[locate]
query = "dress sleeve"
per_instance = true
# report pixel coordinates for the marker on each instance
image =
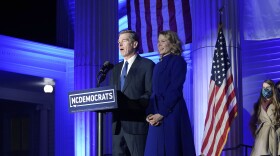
(174, 91)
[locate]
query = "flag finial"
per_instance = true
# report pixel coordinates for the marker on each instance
(221, 12)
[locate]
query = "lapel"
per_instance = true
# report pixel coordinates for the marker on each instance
(164, 63)
(267, 116)
(270, 112)
(118, 74)
(132, 72)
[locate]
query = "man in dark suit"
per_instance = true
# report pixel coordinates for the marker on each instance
(134, 82)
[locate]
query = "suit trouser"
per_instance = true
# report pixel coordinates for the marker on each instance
(125, 144)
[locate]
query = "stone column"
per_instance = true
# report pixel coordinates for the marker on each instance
(96, 35)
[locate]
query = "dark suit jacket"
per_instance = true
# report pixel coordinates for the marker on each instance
(134, 98)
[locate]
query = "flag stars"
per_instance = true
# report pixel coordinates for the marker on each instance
(220, 63)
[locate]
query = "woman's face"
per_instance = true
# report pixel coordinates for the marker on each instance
(266, 86)
(164, 45)
(266, 91)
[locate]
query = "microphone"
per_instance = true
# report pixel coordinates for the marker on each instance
(103, 71)
(105, 68)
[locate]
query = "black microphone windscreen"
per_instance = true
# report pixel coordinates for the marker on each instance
(110, 66)
(104, 69)
(106, 63)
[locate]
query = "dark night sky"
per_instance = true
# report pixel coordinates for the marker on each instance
(33, 20)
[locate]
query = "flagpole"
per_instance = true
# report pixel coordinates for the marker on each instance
(221, 12)
(222, 108)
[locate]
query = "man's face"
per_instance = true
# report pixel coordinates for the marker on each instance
(127, 46)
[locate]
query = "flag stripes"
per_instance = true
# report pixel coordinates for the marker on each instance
(148, 18)
(222, 104)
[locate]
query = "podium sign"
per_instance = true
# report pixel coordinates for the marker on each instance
(97, 99)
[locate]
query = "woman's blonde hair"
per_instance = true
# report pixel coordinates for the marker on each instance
(174, 40)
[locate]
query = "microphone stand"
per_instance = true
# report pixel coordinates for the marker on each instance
(102, 73)
(100, 119)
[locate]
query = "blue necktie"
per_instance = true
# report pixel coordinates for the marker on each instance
(123, 74)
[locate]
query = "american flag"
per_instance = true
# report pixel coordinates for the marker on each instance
(222, 106)
(149, 17)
